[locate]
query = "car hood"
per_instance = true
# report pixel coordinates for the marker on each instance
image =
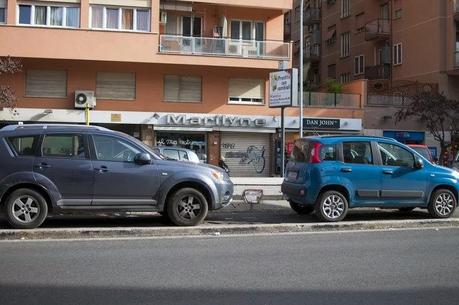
(445, 170)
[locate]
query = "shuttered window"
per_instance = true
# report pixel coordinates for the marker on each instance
(178, 88)
(246, 90)
(115, 86)
(46, 83)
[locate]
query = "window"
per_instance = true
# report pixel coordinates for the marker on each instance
(64, 146)
(398, 55)
(114, 149)
(394, 155)
(55, 16)
(171, 154)
(46, 83)
(247, 30)
(331, 35)
(359, 65)
(360, 22)
(23, 146)
(117, 18)
(384, 11)
(345, 78)
(328, 153)
(178, 88)
(115, 86)
(345, 44)
(357, 153)
(331, 73)
(397, 9)
(345, 8)
(246, 91)
(2, 11)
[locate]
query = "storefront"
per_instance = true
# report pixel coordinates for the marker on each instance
(195, 141)
(406, 137)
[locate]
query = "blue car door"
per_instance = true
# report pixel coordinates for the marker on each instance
(402, 183)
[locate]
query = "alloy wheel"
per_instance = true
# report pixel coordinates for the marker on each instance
(25, 209)
(444, 204)
(189, 207)
(333, 206)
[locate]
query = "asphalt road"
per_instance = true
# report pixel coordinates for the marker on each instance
(394, 267)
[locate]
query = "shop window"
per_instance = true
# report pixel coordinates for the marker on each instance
(118, 18)
(115, 86)
(46, 83)
(192, 141)
(246, 91)
(179, 88)
(52, 15)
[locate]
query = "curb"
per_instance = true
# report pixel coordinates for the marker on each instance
(217, 230)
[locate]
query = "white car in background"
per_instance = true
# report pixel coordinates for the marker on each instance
(177, 153)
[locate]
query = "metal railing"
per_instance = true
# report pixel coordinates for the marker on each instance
(312, 52)
(388, 100)
(224, 47)
(376, 29)
(311, 16)
(332, 100)
(377, 72)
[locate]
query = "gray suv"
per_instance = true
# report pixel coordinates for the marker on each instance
(61, 168)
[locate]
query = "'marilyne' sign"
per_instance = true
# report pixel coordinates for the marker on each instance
(217, 120)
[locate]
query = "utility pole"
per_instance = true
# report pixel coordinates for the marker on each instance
(301, 66)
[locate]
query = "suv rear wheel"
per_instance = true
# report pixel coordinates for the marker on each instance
(301, 209)
(187, 207)
(26, 209)
(332, 206)
(442, 204)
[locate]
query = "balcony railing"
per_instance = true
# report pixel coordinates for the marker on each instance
(377, 29)
(332, 100)
(312, 53)
(224, 47)
(388, 100)
(311, 16)
(377, 72)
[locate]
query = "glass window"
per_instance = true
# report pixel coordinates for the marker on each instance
(246, 30)
(127, 19)
(67, 146)
(171, 154)
(114, 149)
(328, 153)
(183, 156)
(357, 152)
(73, 17)
(394, 155)
(40, 15)
(25, 14)
(143, 20)
(23, 146)
(112, 18)
(235, 29)
(301, 151)
(2, 15)
(56, 16)
(97, 12)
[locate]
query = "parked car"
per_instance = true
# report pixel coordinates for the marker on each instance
(423, 150)
(177, 153)
(60, 168)
(330, 175)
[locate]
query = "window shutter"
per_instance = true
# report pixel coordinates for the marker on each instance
(182, 88)
(115, 86)
(246, 88)
(46, 83)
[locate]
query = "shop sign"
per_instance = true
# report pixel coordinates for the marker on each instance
(321, 123)
(217, 120)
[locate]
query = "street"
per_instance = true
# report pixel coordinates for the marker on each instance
(392, 267)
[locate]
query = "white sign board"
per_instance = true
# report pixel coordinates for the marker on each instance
(283, 88)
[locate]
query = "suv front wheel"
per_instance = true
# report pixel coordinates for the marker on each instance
(442, 204)
(26, 209)
(187, 207)
(332, 206)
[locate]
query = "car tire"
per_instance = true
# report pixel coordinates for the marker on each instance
(406, 209)
(187, 207)
(332, 206)
(442, 204)
(301, 209)
(25, 209)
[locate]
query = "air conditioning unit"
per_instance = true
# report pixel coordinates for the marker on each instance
(163, 17)
(84, 99)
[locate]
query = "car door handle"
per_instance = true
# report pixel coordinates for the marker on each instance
(102, 169)
(42, 165)
(346, 170)
(388, 172)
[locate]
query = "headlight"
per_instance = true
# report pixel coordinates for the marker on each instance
(217, 176)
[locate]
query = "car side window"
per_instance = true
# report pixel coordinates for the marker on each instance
(394, 155)
(357, 153)
(183, 155)
(171, 154)
(114, 149)
(23, 145)
(64, 146)
(328, 153)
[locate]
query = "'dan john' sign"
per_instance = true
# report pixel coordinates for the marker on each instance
(321, 123)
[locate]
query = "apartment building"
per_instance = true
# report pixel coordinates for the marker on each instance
(177, 73)
(397, 46)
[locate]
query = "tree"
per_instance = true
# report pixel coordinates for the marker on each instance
(439, 114)
(8, 65)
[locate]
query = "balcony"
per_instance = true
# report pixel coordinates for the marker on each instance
(378, 29)
(224, 47)
(312, 53)
(332, 100)
(456, 10)
(377, 72)
(311, 16)
(388, 100)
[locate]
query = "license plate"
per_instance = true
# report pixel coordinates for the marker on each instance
(292, 175)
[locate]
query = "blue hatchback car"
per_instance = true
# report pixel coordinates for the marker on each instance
(329, 175)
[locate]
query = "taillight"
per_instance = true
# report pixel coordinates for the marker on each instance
(315, 153)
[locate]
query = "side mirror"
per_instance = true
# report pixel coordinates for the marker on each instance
(142, 159)
(418, 163)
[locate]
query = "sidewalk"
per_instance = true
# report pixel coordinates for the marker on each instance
(271, 186)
